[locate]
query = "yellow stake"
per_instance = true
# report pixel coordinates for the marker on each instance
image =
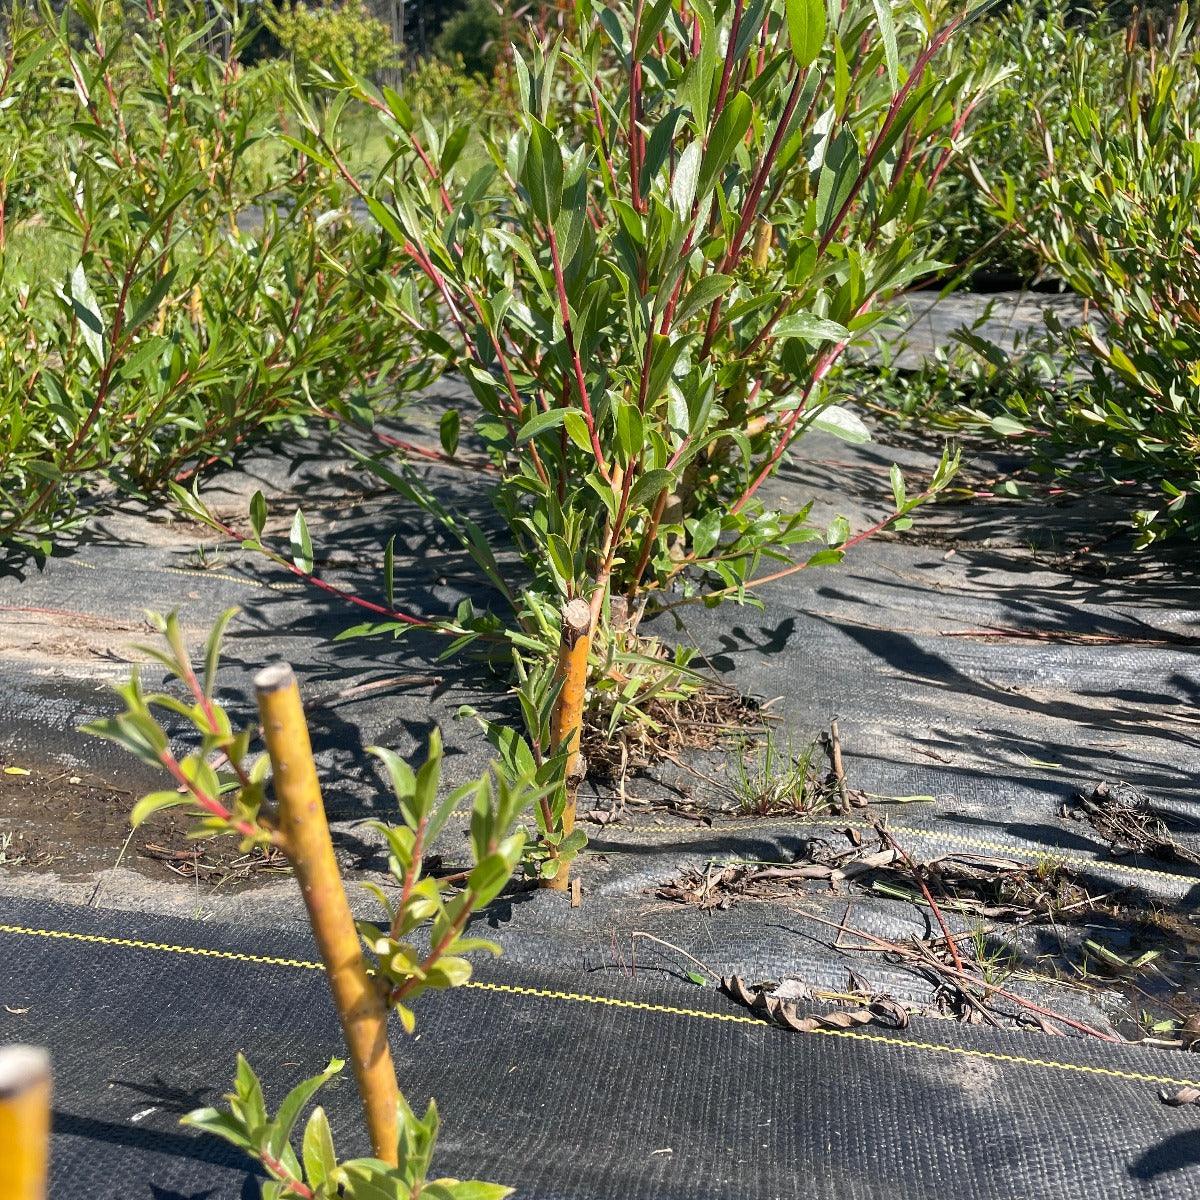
(304, 833)
(566, 721)
(24, 1122)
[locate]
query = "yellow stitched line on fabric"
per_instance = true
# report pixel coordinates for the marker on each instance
(1069, 859)
(258, 584)
(512, 989)
(1005, 848)
(70, 935)
(253, 583)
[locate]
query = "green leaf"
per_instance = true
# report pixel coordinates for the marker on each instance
(630, 431)
(842, 423)
(453, 148)
(838, 175)
(705, 533)
(212, 649)
(887, 31)
(156, 802)
(649, 485)
(806, 29)
(289, 1111)
(86, 308)
(826, 558)
(539, 423)
(152, 300)
(726, 136)
(651, 25)
(701, 296)
(258, 513)
(475, 1189)
(811, 328)
(385, 217)
(448, 428)
(1008, 427)
(542, 172)
(577, 430)
(687, 174)
(488, 878)
(301, 543)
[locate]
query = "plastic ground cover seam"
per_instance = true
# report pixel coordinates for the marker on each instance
(633, 1088)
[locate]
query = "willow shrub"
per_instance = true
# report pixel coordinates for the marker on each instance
(1117, 217)
(695, 210)
(168, 285)
(1027, 48)
(417, 941)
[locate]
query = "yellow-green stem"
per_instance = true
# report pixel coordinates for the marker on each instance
(566, 721)
(304, 833)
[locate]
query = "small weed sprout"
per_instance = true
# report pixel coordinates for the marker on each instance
(995, 961)
(779, 780)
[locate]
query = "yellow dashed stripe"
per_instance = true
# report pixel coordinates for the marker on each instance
(100, 939)
(257, 584)
(1070, 859)
(1006, 849)
(511, 989)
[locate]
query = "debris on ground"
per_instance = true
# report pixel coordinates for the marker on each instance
(975, 884)
(720, 886)
(966, 978)
(876, 1010)
(704, 720)
(1125, 817)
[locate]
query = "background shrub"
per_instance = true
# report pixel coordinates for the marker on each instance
(171, 293)
(473, 38)
(1028, 47)
(1115, 213)
(322, 34)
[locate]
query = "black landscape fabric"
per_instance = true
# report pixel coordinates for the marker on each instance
(625, 1090)
(984, 668)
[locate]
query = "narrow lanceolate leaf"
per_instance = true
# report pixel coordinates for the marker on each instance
(701, 296)
(539, 423)
(727, 134)
(258, 513)
(887, 31)
(543, 173)
(389, 571)
(838, 175)
(155, 802)
(302, 551)
(842, 423)
(806, 29)
(320, 1159)
(87, 310)
(448, 430)
(212, 649)
(683, 185)
(811, 328)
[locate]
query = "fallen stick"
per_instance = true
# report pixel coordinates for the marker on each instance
(839, 770)
(887, 947)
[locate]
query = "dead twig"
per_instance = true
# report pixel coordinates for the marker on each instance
(839, 770)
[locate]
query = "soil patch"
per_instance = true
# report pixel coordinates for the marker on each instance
(74, 827)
